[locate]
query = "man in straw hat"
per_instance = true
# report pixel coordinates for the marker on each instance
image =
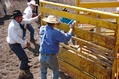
(36, 7)
(49, 46)
(27, 15)
(15, 42)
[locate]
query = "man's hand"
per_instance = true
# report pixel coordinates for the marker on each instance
(25, 26)
(33, 15)
(72, 26)
(39, 15)
(28, 44)
(58, 22)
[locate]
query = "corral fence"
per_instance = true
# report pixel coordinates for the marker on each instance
(97, 55)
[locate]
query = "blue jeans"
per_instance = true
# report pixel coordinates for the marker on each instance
(48, 62)
(20, 53)
(5, 12)
(73, 41)
(31, 30)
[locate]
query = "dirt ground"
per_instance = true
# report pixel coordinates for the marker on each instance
(9, 63)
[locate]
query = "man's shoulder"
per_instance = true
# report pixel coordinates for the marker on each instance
(56, 31)
(27, 9)
(12, 23)
(42, 27)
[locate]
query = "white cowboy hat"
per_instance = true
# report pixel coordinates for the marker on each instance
(32, 3)
(50, 19)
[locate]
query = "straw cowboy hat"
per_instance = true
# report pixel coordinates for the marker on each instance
(32, 2)
(50, 19)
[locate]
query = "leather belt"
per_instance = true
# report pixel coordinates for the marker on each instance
(47, 54)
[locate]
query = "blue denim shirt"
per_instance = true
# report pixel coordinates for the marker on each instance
(66, 20)
(50, 38)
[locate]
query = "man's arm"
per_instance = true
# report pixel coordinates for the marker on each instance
(28, 21)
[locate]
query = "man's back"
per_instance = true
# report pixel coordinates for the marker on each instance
(50, 38)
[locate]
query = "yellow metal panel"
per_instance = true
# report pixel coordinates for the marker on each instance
(95, 22)
(82, 18)
(102, 40)
(72, 71)
(116, 54)
(96, 15)
(92, 45)
(80, 9)
(99, 4)
(105, 41)
(84, 64)
(77, 11)
(92, 18)
(41, 22)
(92, 54)
(62, 26)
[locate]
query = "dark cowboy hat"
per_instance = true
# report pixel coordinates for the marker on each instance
(16, 13)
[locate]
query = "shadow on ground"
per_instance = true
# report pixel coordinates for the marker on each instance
(7, 17)
(35, 50)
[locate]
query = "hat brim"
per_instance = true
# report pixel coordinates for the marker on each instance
(12, 16)
(32, 4)
(45, 19)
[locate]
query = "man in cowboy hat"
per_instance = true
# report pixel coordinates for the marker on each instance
(15, 41)
(49, 46)
(27, 15)
(36, 7)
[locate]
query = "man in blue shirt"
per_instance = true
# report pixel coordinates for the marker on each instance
(49, 46)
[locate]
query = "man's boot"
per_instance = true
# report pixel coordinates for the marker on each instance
(28, 73)
(21, 74)
(24, 74)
